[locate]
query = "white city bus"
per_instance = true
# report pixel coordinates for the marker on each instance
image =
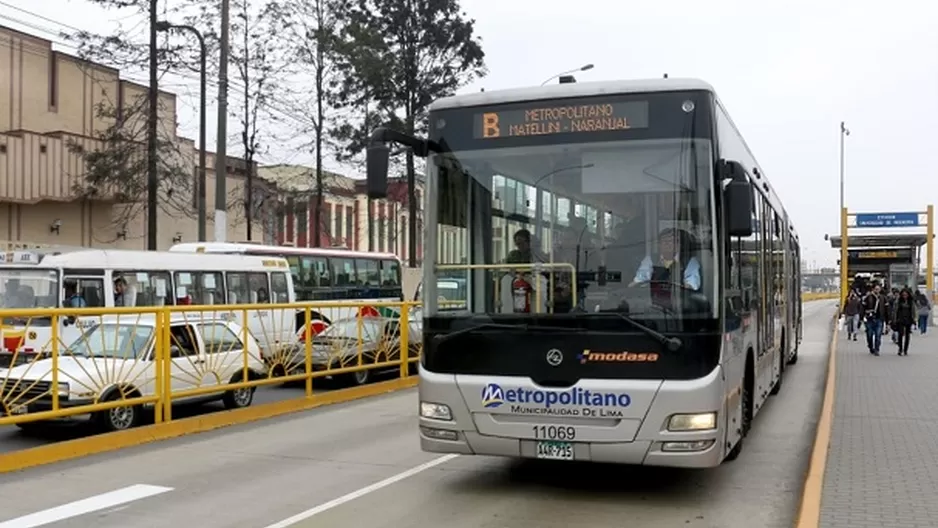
(334, 275)
(646, 314)
(149, 278)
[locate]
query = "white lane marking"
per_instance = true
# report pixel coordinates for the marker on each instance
(84, 506)
(359, 493)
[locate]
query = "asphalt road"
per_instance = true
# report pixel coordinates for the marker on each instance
(12, 438)
(359, 464)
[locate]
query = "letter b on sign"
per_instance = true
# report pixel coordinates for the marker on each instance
(490, 125)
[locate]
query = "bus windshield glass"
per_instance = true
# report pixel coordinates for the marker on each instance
(575, 209)
(29, 288)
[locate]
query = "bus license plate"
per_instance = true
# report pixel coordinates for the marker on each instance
(555, 450)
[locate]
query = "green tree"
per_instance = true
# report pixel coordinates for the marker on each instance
(399, 57)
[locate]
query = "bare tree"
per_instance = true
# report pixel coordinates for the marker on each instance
(116, 169)
(310, 28)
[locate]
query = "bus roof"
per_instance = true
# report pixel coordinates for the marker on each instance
(246, 248)
(569, 90)
(160, 260)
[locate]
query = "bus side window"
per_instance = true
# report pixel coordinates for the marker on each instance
(321, 269)
(259, 288)
(148, 288)
(390, 273)
(367, 272)
(279, 287)
(91, 290)
(343, 272)
(201, 287)
(238, 290)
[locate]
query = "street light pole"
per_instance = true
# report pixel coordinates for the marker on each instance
(200, 184)
(844, 132)
(221, 147)
(581, 68)
(843, 220)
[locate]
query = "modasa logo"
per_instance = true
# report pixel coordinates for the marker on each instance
(523, 400)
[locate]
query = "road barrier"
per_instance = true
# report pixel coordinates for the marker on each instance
(116, 363)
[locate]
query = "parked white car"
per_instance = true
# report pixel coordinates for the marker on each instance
(114, 359)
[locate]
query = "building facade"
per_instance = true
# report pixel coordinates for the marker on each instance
(55, 109)
(344, 219)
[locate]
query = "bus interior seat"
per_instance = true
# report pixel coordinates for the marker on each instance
(232, 297)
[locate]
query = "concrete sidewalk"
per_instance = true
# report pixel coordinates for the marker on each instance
(882, 463)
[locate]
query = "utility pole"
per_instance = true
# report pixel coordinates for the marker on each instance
(152, 115)
(221, 154)
(248, 140)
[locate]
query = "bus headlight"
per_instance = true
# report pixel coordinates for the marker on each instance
(63, 389)
(693, 422)
(435, 411)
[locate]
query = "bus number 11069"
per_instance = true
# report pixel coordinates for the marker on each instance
(554, 432)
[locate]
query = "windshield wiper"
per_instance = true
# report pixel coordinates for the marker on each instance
(674, 344)
(440, 338)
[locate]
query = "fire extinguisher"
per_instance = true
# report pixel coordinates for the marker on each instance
(521, 294)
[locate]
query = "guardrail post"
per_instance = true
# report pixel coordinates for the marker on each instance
(405, 340)
(245, 336)
(308, 350)
(166, 399)
(158, 361)
(55, 360)
(359, 344)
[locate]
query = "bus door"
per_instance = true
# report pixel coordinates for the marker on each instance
(90, 292)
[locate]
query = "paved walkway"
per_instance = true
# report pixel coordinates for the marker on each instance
(882, 464)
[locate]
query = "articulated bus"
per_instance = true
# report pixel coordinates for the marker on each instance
(107, 278)
(333, 275)
(631, 275)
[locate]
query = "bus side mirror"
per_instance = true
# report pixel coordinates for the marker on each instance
(376, 157)
(737, 196)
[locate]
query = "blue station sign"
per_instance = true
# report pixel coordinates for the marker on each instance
(887, 220)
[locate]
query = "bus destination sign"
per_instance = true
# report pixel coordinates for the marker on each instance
(542, 119)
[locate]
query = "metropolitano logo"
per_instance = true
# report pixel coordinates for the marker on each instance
(492, 396)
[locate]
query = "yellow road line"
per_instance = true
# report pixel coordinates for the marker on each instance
(71, 449)
(809, 513)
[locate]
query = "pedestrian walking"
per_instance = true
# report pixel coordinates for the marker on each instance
(903, 319)
(875, 316)
(924, 311)
(851, 312)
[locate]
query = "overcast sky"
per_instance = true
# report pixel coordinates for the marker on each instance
(787, 74)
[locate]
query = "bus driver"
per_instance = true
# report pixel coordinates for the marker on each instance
(670, 265)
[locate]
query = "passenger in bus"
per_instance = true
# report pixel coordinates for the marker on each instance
(523, 253)
(73, 299)
(262, 296)
(123, 294)
(670, 266)
(11, 294)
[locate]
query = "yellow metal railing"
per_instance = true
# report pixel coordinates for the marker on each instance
(56, 363)
(115, 362)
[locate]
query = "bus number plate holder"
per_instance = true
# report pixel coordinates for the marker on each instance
(554, 450)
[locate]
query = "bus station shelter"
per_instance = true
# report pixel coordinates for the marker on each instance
(895, 256)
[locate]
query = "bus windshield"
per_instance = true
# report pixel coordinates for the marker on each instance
(24, 288)
(615, 226)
